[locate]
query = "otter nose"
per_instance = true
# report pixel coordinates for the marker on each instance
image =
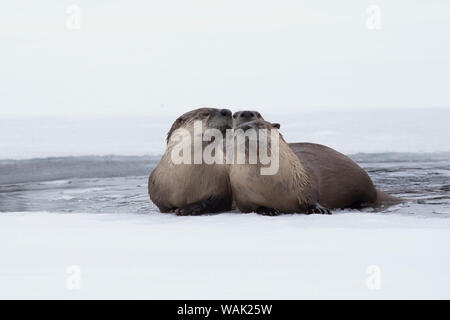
(247, 114)
(225, 112)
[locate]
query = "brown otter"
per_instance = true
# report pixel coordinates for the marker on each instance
(241, 117)
(340, 181)
(290, 189)
(189, 188)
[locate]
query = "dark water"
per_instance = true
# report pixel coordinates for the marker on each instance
(113, 184)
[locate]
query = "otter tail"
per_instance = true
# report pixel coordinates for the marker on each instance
(383, 198)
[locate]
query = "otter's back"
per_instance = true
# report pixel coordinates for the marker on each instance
(341, 182)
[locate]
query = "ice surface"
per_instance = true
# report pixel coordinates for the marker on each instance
(224, 256)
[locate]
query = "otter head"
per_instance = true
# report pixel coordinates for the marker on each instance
(210, 117)
(241, 117)
(257, 125)
(249, 132)
(263, 145)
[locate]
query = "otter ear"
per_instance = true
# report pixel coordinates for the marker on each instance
(276, 125)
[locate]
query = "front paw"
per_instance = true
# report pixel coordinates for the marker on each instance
(267, 211)
(190, 210)
(318, 209)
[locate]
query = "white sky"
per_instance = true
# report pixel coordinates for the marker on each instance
(165, 57)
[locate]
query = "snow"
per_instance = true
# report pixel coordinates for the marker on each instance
(224, 256)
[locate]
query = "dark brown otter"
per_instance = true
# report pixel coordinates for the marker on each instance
(340, 182)
(192, 189)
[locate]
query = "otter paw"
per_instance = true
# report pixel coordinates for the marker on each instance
(267, 211)
(191, 210)
(318, 209)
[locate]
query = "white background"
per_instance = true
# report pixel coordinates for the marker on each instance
(166, 57)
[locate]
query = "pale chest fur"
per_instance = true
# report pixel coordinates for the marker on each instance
(287, 190)
(188, 183)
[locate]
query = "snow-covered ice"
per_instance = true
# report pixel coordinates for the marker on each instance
(224, 256)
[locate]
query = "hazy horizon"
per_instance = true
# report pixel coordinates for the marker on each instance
(163, 58)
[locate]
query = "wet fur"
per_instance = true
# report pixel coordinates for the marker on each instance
(189, 188)
(288, 191)
(341, 183)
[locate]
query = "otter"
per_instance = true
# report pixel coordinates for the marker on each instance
(291, 189)
(241, 117)
(192, 189)
(341, 183)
